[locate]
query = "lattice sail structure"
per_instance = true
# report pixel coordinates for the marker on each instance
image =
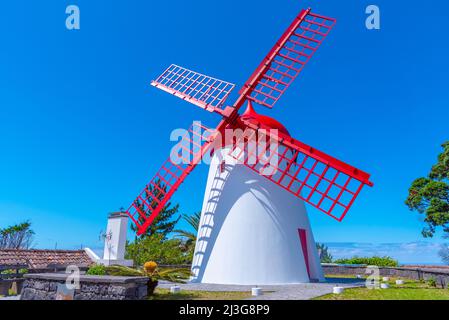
(324, 182)
(287, 58)
(154, 197)
(317, 178)
(201, 90)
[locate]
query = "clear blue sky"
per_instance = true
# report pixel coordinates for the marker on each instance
(81, 130)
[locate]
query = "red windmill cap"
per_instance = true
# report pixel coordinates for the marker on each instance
(251, 115)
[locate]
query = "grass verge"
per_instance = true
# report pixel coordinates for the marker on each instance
(164, 294)
(410, 290)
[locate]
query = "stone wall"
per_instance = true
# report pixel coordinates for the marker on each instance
(44, 286)
(441, 276)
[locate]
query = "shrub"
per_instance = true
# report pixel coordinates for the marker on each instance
(97, 270)
(8, 271)
(13, 271)
(372, 261)
(432, 282)
(155, 248)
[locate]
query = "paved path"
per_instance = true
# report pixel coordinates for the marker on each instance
(302, 291)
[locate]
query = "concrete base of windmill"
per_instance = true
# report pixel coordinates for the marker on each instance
(255, 292)
(338, 290)
(175, 289)
(384, 286)
(107, 262)
(399, 281)
(386, 279)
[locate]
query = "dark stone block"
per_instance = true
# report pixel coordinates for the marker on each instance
(44, 287)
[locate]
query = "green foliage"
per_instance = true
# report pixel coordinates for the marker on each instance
(430, 195)
(323, 251)
(97, 270)
(371, 261)
(122, 271)
(165, 222)
(156, 248)
(101, 270)
(8, 271)
(19, 236)
(432, 282)
(13, 271)
(190, 236)
(194, 222)
(172, 274)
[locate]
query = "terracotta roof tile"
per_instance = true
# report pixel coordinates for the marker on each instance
(42, 259)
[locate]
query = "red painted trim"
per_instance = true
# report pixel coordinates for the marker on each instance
(305, 252)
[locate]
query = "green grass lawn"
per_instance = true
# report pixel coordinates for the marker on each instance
(410, 290)
(164, 294)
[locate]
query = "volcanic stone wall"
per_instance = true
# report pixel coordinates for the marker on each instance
(44, 287)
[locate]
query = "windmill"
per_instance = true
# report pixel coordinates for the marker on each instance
(254, 227)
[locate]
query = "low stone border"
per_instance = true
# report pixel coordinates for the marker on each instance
(441, 277)
(43, 286)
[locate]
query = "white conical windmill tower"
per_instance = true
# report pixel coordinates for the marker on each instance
(254, 227)
(251, 230)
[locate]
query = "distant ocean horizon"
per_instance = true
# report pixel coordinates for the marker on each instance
(414, 253)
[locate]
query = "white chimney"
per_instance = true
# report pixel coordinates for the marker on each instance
(115, 240)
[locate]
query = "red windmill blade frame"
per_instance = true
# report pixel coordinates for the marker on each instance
(287, 58)
(167, 180)
(319, 179)
(267, 84)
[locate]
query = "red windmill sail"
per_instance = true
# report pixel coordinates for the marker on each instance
(317, 178)
(323, 181)
(287, 58)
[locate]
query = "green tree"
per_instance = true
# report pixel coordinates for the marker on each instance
(19, 236)
(430, 195)
(323, 251)
(155, 248)
(165, 222)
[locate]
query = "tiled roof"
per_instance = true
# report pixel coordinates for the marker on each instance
(42, 259)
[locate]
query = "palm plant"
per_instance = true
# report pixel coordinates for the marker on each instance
(180, 275)
(194, 222)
